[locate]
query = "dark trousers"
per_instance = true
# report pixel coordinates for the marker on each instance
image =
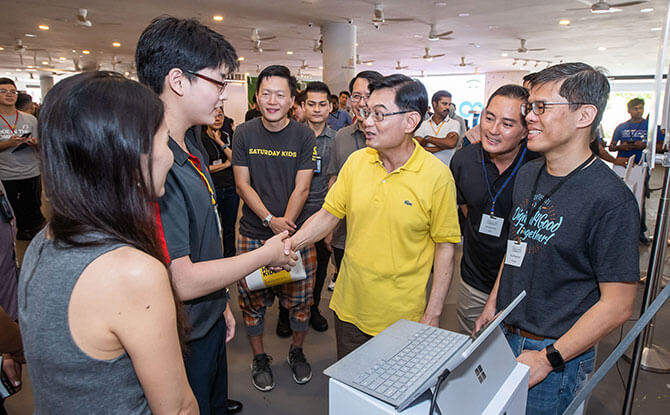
(348, 337)
(228, 202)
(25, 196)
(322, 258)
(207, 370)
(338, 254)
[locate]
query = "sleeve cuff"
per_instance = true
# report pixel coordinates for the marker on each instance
(333, 211)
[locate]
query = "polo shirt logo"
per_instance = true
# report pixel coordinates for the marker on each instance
(408, 203)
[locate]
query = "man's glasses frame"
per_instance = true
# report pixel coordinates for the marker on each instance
(220, 84)
(365, 112)
(356, 98)
(538, 107)
(8, 92)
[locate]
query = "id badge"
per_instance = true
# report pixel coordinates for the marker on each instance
(318, 164)
(515, 253)
(217, 162)
(218, 220)
(491, 225)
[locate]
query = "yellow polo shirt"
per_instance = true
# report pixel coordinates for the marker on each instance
(394, 221)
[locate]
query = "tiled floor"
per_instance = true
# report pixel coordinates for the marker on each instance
(653, 390)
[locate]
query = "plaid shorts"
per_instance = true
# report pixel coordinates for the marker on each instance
(295, 296)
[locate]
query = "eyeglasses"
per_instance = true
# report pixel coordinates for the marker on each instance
(220, 84)
(8, 92)
(357, 97)
(378, 116)
(538, 107)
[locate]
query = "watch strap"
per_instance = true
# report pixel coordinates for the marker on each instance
(555, 359)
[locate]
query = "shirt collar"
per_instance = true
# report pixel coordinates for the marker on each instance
(487, 156)
(414, 162)
(180, 156)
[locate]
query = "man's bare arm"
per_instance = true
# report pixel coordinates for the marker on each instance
(443, 270)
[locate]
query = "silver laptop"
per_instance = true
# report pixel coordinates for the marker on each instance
(403, 361)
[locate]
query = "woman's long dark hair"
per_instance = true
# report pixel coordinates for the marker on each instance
(95, 130)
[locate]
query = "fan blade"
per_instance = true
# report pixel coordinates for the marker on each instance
(437, 56)
(444, 34)
(577, 8)
(398, 19)
(536, 50)
(267, 38)
(446, 38)
(629, 3)
(271, 50)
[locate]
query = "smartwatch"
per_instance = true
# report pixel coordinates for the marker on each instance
(266, 221)
(555, 359)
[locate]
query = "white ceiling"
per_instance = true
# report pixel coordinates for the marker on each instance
(631, 45)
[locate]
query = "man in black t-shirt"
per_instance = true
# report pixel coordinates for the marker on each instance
(273, 167)
(485, 173)
(572, 243)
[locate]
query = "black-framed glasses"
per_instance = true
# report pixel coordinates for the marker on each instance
(220, 84)
(378, 116)
(8, 92)
(357, 97)
(538, 107)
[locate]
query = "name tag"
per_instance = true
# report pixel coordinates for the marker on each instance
(491, 225)
(217, 162)
(317, 159)
(515, 253)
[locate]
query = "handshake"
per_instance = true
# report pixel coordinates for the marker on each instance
(281, 252)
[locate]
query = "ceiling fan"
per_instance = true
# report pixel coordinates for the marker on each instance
(463, 63)
(523, 48)
(428, 56)
(362, 62)
(306, 66)
(433, 35)
(318, 45)
(256, 37)
(602, 6)
(259, 48)
(378, 18)
(399, 67)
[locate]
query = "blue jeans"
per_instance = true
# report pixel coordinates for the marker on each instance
(555, 393)
(228, 202)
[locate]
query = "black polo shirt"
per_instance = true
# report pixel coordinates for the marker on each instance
(482, 254)
(190, 227)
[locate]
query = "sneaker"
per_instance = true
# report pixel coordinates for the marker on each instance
(331, 284)
(261, 373)
(316, 320)
(283, 324)
(302, 371)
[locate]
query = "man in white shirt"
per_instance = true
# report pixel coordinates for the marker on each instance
(435, 135)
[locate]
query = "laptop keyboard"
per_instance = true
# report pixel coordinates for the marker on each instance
(391, 378)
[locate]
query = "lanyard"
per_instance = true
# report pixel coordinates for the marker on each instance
(488, 185)
(438, 127)
(15, 122)
(204, 179)
(536, 206)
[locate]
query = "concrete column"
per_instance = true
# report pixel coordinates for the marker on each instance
(339, 49)
(46, 82)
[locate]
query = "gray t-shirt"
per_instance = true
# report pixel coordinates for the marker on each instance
(347, 140)
(273, 159)
(18, 164)
(318, 188)
(586, 233)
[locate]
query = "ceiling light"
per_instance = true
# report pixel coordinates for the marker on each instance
(18, 70)
(602, 48)
(647, 10)
(29, 35)
(440, 3)
(463, 14)
(655, 29)
(217, 18)
(321, 67)
(418, 36)
(29, 66)
(493, 27)
(86, 52)
(369, 63)
(31, 70)
(241, 58)
(1, 48)
(127, 73)
(428, 59)
(45, 62)
(504, 55)
(43, 27)
(356, 44)
(289, 52)
(564, 22)
(62, 59)
(116, 44)
(74, 51)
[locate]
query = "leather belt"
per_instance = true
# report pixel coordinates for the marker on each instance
(523, 333)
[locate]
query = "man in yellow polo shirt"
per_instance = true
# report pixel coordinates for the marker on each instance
(400, 204)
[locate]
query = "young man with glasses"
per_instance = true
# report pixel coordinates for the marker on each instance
(401, 206)
(185, 63)
(485, 173)
(273, 164)
(572, 243)
(19, 165)
(440, 134)
(348, 140)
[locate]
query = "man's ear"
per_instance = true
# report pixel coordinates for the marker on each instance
(413, 119)
(175, 81)
(586, 115)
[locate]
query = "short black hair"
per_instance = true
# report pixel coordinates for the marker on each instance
(634, 102)
(280, 71)
(410, 94)
(6, 81)
(511, 91)
(300, 97)
(23, 100)
(317, 86)
(345, 93)
(187, 44)
(529, 77)
(371, 77)
(439, 95)
(581, 83)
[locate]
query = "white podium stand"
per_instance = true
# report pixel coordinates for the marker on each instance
(503, 389)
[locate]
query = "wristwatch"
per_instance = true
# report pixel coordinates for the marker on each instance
(555, 359)
(266, 221)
